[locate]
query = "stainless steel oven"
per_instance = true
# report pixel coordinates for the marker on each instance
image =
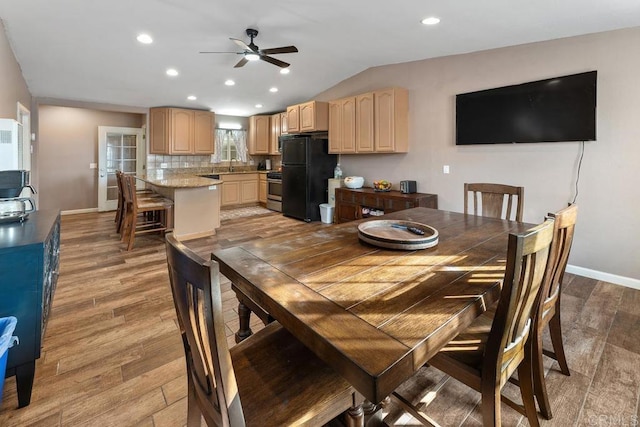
(274, 191)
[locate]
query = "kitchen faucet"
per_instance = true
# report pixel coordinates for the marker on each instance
(231, 165)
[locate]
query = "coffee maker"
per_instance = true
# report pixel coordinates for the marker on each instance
(13, 207)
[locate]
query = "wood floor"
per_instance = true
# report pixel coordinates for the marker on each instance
(112, 354)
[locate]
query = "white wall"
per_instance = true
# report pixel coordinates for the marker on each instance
(607, 236)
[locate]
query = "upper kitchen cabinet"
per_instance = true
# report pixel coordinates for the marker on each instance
(342, 125)
(372, 122)
(311, 116)
(276, 131)
(391, 120)
(284, 129)
(259, 134)
(181, 131)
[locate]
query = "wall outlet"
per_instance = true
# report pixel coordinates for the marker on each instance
(445, 169)
(163, 165)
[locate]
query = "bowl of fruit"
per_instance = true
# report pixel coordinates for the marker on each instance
(382, 185)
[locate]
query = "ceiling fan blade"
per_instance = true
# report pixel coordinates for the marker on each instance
(274, 61)
(284, 49)
(240, 43)
(241, 62)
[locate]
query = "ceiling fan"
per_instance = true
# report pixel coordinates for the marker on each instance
(251, 52)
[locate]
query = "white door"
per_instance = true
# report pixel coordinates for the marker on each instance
(119, 149)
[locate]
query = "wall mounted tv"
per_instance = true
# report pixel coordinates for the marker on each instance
(551, 110)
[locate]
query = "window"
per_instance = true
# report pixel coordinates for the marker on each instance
(229, 150)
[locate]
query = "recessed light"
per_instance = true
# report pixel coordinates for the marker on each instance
(172, 72)
(192, 97)
(432, 20)
(258, 105)
(229, 82)
(284, 71)
(144, 38)
(273, 89)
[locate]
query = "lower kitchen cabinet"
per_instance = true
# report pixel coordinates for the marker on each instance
(262, 188)
(365, 202)
(29, 265)
(239, 189)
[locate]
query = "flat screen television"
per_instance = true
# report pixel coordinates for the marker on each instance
(550, 110)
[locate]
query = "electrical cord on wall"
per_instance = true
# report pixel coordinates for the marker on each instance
(578, 174)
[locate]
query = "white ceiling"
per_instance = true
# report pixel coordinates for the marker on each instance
(86, 50)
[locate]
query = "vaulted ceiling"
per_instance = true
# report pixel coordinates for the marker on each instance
(87, 50)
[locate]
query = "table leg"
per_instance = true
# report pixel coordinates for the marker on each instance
(355, 416)
(244, 315)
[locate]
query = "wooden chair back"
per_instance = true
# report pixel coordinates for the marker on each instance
(198, 301)
(492, 198)
(527, 258)
(564, 224)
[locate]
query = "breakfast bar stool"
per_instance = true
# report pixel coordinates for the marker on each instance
(157, 213)
(492, 198)
(120, 211)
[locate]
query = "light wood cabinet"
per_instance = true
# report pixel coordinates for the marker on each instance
(180, 131)
(262, 188)
(312, 116)
(381, 123)
(391, 120)
(276, 131)
(284, 128)
(259, 134)
(239, 189)
(342, 125)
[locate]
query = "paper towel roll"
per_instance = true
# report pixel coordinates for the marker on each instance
(333, 184)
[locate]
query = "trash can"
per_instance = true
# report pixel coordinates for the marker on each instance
(7, 326)
(326, 213)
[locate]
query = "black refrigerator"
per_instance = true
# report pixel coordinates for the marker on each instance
(306, 168)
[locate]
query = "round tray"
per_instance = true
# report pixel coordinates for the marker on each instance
(382, 233)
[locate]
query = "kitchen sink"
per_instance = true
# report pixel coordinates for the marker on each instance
(211, 176)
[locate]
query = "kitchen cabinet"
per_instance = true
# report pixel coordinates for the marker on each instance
(259, 134)
(356, 204)
(262, 188)
(381, 123)
(239, 189)
(276, 131)
(29, 266)
(312, 116)
(181, 131)
(342, 125)
(284, 128)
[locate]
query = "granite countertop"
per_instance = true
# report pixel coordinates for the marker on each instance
(178, 181)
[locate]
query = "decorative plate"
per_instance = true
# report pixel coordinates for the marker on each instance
(395, 234)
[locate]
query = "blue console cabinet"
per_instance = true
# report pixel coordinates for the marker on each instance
(29, 261)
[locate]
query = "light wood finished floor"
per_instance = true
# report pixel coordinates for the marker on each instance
(112, 353)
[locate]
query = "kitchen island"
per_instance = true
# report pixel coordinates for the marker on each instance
(196, 210)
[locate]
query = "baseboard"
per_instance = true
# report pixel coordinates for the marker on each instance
(79, 211)
(605, 277)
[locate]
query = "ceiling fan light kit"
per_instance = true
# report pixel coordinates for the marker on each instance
(251, 52)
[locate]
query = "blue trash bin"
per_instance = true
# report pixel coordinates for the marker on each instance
(7, 326)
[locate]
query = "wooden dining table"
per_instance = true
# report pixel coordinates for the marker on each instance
(375, 315)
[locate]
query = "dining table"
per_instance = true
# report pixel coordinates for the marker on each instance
(375, 314)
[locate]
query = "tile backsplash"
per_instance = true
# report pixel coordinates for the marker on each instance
(201, 164)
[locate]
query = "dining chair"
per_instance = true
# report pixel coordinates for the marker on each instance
(143, 215)
(492, 198)
(269, 379)
(549, 308)
(498, 342)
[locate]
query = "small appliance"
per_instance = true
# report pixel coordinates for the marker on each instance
(408, 187)
(12, 206)
(267, 163)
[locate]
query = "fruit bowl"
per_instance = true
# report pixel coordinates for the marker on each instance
(382, 185)
(354, 182)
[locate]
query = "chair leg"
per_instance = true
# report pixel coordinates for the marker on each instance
(194, 414)
(539, 384)
(490, 404)
(525, 375)
(555, 329)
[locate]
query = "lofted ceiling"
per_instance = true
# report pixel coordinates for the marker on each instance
(87, 50)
